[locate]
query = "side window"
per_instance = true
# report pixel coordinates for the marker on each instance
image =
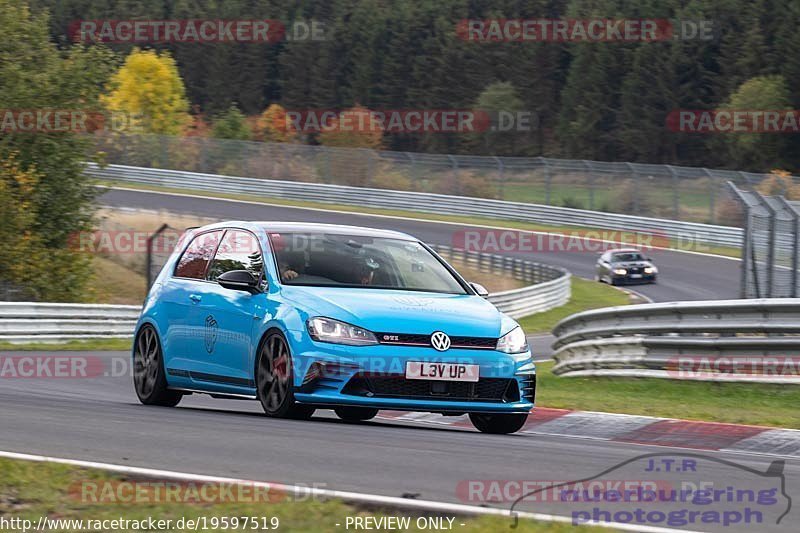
(198, 254)
(239, 250)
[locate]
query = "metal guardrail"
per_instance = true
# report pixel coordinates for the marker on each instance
(550, 286)
(690, 232)
(721, 340)
(51, 322)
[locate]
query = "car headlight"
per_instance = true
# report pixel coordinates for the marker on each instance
(650, 270)
(328, 330)
(620, 271)
(513, 342)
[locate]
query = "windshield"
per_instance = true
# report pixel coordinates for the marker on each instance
(627, 256)
(320, 259)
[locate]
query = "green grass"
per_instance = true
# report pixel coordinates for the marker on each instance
(585, 295)
(93, 345)
(736, 403)
(696, 247)
(30, 490)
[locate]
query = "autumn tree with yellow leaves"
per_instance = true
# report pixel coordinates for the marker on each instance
(149, 91)
(275, 126)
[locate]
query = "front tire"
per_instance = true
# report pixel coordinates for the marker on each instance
(149, 377)
(356, 414)
(498, 424)
(274, 380)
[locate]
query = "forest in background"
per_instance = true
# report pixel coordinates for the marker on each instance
(604, 101)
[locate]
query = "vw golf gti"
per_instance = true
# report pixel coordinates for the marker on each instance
(307, 316)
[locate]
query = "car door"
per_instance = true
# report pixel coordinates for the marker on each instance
(228, 317)
(180, 300)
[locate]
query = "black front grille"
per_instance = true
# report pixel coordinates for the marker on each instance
(407, 339)
(397, 386)
(529, 388)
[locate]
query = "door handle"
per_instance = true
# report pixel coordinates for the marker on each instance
(195, 298)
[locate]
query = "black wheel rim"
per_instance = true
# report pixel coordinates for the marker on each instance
(146, 362)
(274, 373)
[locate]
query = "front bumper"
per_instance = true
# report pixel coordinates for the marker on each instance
(629, 278)
(373, 376)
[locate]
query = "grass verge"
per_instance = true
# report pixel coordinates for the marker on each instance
(735, 403)
(585, 295)
(467, 220)
(30, 490)
(113, 283)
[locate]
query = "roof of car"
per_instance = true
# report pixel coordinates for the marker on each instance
(312, 227)
(623, 250)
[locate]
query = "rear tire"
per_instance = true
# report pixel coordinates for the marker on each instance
(149, 377)
(498, 424)
(275, 386)
(356, 414)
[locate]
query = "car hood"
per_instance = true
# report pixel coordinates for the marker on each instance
(632, 264)
(398, 311)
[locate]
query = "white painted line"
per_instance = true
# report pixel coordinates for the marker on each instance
(358, 497)
(398, 217)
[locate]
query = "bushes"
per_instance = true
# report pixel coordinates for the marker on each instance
(780, 183)
(28, 263)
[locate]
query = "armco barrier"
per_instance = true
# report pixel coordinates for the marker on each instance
(722, 340)
(550, 286)
(51, 322)
(418, 201)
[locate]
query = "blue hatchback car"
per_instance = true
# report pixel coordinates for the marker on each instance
(303, 316)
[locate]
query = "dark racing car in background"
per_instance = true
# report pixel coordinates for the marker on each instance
(625, 265)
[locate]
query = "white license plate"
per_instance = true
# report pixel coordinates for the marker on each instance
(636, 276)
(442, 371)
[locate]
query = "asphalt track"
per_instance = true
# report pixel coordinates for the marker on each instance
(682, 276)
(99, 418)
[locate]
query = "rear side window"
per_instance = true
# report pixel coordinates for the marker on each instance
(239, 250)
(198, 254)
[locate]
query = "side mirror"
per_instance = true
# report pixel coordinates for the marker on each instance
(480, 289)
(239, 280)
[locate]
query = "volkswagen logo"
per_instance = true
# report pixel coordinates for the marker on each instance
(440, 341)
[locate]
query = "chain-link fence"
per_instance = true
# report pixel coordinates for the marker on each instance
(771, 247)
(661, 191)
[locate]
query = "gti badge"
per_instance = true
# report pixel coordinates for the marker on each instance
(211, 333)
(440, 341)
